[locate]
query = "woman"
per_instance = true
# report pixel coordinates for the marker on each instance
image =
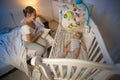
(32, 40)
(31, 36)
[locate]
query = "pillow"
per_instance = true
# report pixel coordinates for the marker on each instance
(43, 42)
(50, 40)
(46, 32)
(40, 25)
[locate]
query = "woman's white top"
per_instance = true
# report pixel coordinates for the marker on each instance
(26, 29)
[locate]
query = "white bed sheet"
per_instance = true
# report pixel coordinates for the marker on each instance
(12, 51)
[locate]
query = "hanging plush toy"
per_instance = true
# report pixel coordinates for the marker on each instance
(69, 15)
(81, 2)
(74, 16)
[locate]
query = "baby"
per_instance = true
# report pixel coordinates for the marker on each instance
(74, 45)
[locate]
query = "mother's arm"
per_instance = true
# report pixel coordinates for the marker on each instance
(31, 38)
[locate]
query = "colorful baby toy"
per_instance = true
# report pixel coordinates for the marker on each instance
(69, 15)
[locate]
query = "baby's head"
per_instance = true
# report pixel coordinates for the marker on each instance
(78, 35)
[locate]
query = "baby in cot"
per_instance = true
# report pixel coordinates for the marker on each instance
(74, 45)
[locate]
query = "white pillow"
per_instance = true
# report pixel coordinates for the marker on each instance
(40, 26)
(46, 32)
(50, 40)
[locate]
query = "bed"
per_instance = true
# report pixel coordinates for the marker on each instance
(12, 52)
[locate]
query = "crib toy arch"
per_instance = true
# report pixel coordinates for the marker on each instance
(75, 15)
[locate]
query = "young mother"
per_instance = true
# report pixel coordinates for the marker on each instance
(32, 40)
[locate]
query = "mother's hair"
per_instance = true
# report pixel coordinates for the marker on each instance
(28, 9)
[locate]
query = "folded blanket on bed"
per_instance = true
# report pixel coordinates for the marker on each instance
(12, 50)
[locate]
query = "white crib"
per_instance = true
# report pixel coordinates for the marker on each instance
(96, 64)
(97, 59)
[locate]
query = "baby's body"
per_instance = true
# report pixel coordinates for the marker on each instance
(74, 46)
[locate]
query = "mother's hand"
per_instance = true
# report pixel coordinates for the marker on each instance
(41, 32)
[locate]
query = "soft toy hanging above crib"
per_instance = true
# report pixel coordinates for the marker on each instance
(73, 16)
(78, 2)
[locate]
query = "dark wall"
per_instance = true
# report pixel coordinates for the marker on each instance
(106, 14)
(10, 14)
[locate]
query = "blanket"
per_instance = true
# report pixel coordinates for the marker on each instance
(12, 51)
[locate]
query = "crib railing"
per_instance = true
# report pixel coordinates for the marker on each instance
(54, 42)
(97, 51)
(74, 69)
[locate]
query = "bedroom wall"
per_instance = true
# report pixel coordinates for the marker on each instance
(106, 14)
(11, 11)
